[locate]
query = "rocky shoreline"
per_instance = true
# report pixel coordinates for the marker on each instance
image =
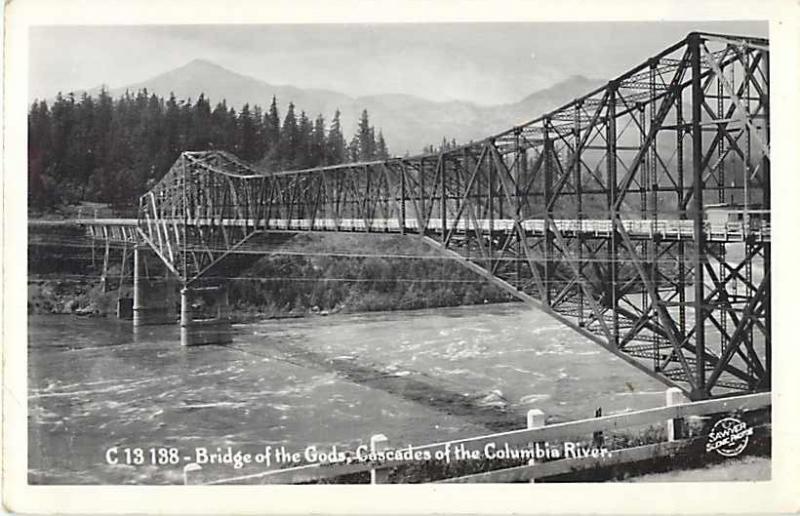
(80, 297)
(58, 296)
(316, 275)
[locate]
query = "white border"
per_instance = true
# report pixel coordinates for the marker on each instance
(781, 494)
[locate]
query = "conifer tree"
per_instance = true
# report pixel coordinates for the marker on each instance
(336, 147)
(366, 138)
(258, 133)
(303, 148)
(272, 129)
(353, 150)
(247, 135)
(288, 138)
(382, 151)
(318, 149)
(108, 149)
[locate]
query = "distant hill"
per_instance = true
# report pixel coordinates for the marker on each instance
(408, 122)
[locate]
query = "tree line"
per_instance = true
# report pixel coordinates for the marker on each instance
(110, 150)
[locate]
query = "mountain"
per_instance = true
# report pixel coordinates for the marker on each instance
(409, 123)
(217, 83)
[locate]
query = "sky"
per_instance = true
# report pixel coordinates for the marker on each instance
(484, 63)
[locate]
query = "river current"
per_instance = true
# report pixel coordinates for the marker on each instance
(416, 376)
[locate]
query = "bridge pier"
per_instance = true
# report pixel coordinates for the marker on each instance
(153, 298)
(213, 326)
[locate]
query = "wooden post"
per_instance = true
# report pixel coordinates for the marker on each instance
(535, 420)
(675, 396)
(190, 468)
(597, 437)
(379, 475)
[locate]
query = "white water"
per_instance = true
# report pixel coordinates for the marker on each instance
(416, 376)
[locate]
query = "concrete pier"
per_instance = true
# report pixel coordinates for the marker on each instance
(125, 308)
(205, 316)
(153, 297)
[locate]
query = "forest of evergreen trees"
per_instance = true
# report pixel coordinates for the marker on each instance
(109, 150)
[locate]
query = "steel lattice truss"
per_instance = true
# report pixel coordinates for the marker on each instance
(596, 212)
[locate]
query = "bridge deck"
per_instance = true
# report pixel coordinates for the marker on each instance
(640, 229)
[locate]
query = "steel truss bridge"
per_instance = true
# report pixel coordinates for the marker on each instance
(599, 212)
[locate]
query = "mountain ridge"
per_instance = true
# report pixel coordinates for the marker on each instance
(408, 122)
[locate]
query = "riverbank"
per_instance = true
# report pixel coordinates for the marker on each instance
(79, 297)
(87, 298)
(311, 274)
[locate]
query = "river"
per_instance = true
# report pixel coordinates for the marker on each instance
(416, 376)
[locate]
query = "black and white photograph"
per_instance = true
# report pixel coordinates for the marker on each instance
(359, 253)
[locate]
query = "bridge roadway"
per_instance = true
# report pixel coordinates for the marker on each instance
(637, 229)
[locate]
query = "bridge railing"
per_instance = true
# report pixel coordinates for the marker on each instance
(117, 228)
(674, 415)
(679, 229)
(84, 213)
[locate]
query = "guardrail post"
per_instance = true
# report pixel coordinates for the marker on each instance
(192, 467)
(379, 475)
(597, 437)
(675, 396)
(535, 420)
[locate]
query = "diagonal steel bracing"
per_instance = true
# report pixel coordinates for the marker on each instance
(598, 212)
